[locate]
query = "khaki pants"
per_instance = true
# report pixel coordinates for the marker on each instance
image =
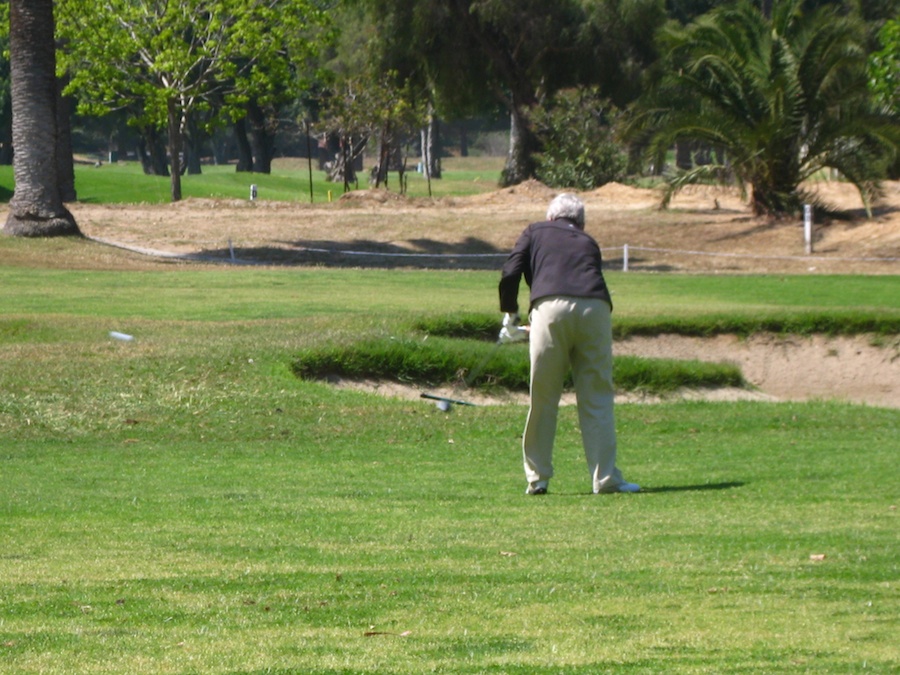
(574, 333)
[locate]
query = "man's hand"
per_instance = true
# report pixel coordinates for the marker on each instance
(512, 331)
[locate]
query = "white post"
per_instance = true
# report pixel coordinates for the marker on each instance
(253, 192)
(807, 228)
(625, 258)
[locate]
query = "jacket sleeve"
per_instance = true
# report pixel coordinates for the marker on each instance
(517, 264)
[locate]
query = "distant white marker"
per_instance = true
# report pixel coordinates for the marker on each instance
(124, 337)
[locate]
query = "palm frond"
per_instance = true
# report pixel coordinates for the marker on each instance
(783, 96)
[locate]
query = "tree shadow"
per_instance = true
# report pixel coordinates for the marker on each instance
(754, 227)
(471, 253)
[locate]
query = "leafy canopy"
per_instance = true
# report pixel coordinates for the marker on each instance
(203, 54)
(782, 97)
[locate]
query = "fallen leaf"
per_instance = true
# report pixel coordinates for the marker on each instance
(816, 557)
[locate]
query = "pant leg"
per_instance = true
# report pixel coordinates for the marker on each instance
(549, 364)
(592, 365)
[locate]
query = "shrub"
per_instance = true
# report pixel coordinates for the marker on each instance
(575, 130)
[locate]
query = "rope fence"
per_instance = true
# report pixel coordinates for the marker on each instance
(219, 251)
(627, 249)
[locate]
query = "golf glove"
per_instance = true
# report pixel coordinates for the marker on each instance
(512, 331)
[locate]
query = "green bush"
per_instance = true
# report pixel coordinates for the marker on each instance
(575, 130)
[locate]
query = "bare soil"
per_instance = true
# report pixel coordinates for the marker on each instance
(706, 229)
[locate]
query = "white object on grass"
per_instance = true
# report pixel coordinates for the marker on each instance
(124, 337)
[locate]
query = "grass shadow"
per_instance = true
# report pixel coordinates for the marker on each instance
(471, 254)
(658, 490)
(692, 488)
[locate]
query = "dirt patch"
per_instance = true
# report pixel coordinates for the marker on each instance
(707, 229)
(858, 369)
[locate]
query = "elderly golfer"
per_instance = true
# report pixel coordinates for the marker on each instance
(571, 327)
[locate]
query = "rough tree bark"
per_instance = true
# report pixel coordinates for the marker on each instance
(36, 208)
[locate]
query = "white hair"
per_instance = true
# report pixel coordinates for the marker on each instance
(568, 206)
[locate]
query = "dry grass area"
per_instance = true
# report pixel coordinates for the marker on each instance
(706, 230)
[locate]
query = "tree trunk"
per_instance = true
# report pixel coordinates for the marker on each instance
(346, 164)
(36, 208)
(6, 149)
(463, 141)
(431, 147)
(520, 165)
(384, 159)
(346, 159)
(683, 159)
(262, 138)
(245, 153)
(193, 148)
(175, 139)
(151, 151)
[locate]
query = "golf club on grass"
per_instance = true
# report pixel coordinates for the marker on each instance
(443, 399)
(443, 402)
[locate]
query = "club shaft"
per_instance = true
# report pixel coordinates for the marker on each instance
(476, 371)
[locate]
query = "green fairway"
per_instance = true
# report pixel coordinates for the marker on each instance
(126, 183)
(183, 503)
(642, 301)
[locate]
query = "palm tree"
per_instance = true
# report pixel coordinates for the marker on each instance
(36, 208)
(781, 98)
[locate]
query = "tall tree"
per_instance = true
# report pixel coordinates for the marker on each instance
(621, 34)
(467, 52)
(475, 54)
(36, 209)
(524, 49)
(783, 97)
(173, 60)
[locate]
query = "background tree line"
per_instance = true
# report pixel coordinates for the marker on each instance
(762, 92)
